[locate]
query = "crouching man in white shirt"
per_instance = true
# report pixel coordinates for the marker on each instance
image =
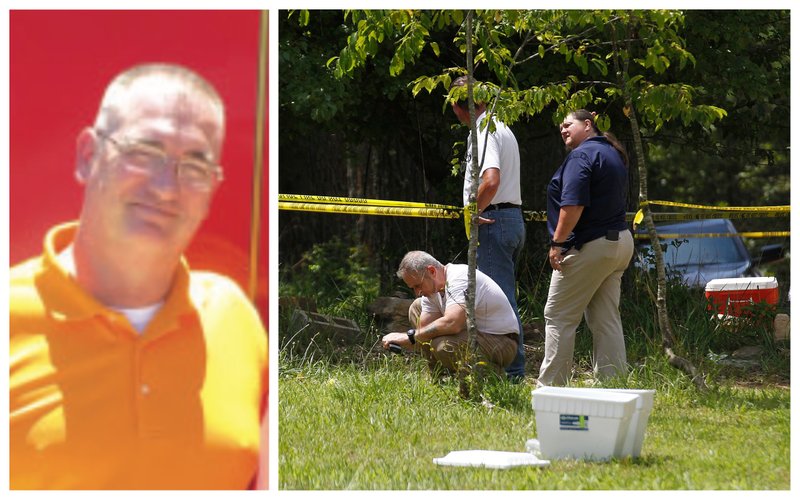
(440, 316)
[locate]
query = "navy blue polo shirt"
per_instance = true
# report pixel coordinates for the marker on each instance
(594, 176)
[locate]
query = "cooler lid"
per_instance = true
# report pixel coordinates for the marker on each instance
(609, 404)
(719, 285)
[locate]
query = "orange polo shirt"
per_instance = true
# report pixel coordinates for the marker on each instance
(95, 405)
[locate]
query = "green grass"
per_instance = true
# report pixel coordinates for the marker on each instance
(378, 424)
(354, 418)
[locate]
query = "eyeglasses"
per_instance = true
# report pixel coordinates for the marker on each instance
(418, 287)
(139, 157)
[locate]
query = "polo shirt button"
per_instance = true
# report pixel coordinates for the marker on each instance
(145, 389)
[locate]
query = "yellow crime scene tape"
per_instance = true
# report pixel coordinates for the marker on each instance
(365, 206)
(336, 200)
(541, 216)
(371, 210)
(751, 234)
(778, 208)
(666, 216)
(714, 212)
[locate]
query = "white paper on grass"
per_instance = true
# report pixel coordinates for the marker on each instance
(490, 459)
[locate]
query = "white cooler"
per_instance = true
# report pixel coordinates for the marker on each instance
(592, 424)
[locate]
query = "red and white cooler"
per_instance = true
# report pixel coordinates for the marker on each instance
(731, 295)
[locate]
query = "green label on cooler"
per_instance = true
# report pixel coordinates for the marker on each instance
(574, 422)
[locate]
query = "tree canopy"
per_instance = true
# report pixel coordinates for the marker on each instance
(363, 106)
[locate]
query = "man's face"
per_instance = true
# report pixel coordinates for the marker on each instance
(423, 283)
(152, 206)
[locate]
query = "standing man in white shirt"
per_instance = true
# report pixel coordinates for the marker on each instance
(501, 229)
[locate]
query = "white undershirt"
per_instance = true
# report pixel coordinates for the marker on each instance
(139, 317)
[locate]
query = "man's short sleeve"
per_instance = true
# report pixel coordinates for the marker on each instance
(456, 288)
(428, 306)
(492, 159)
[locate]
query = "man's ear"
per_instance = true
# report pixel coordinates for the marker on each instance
(85, 152)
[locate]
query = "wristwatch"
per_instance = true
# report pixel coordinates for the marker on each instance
(411, 334)
(566, 244)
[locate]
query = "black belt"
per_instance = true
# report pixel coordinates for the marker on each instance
(500, 205)
(611, 235)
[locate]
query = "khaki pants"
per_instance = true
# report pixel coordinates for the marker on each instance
(588, 285)
(449, 351)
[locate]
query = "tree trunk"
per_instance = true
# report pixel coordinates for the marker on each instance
(664, 324)
(471, 386)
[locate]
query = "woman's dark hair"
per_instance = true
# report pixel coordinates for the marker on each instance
(582, 114)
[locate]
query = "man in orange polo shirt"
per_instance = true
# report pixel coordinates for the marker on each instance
(128, 370)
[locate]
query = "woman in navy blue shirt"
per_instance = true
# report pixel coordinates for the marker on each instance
(590, 248)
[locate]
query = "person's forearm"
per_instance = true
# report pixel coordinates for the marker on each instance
(437, 328)
(485, 195)
(490, 181)
(568, 218)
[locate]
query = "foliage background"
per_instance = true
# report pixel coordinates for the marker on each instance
(366, 136)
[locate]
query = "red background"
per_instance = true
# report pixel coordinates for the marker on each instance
(60, 63)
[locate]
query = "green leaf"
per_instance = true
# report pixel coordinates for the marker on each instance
(580, 61)
(396, 65)
(418, 85)
(435, 47)
(603, 122)
(601, 66)
(345, 60)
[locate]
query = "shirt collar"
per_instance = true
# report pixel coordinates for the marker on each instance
(65, 300)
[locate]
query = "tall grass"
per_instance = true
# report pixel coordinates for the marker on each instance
(339, 278)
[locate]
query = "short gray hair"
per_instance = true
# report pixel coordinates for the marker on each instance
(109, 116)
(415, 262)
